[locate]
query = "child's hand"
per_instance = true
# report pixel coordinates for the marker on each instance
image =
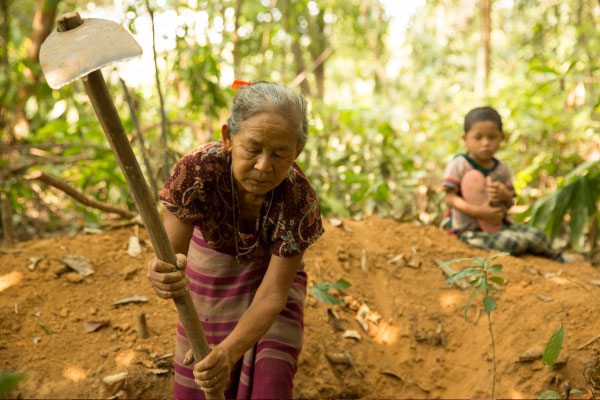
(491, 214)
(497, 192)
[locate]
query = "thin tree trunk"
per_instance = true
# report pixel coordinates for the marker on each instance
(483, 54)
(80, 197)
(163, 117)
(264, 44)
(380, 76)
(140, 139)
(295, 46)
(7, 225)
(316, 50)
(4, 5)
(43, 21)
(319, 60)
(235, 38)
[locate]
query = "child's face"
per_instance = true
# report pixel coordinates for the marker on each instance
(483, 140)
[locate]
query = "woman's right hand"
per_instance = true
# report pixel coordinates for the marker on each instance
(167, 280)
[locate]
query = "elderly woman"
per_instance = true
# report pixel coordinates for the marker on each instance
(244, 213)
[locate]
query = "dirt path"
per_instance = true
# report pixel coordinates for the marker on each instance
(418, 345)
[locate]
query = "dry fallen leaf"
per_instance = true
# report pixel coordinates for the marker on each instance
(93, 326)
(79, 264)
(136, 298)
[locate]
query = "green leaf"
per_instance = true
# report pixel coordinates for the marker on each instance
(325, 297)
(497, 279)
(496, 268)
(504, 254)
(320, 291)
(474, 282)
(8, 380)
(454, 261)
(340, 284)
(549, 394)
(471, 298)
(576, 391)
(461, 275)
(489, 304)
(554, 346)
(478, 261)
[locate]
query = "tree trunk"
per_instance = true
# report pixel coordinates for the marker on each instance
(483, 54)
(295, 46)
(381, 84)
(43, 21)
(237, 73)
(164, 131)
(7, 225)
(4, 4)
(319, 45)
(264, 45)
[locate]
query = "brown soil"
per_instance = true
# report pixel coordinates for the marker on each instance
(418, 345)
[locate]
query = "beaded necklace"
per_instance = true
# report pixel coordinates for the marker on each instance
(245, 250)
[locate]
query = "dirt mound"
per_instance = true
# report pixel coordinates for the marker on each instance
(418, 343)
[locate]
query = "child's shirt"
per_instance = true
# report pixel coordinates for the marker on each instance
(455, 171)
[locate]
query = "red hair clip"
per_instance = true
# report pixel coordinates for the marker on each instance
(238, 84)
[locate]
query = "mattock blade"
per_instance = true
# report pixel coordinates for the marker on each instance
(73, 54)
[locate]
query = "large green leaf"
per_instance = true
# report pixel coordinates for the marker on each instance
(554, 346)
(549, 394)
(320, 291)
(325, 297)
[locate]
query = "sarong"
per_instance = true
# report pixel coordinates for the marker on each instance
(516, 239)
(221, 291)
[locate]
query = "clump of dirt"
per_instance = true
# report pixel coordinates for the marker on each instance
(400, 333)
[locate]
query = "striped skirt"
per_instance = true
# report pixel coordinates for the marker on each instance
(221, 291)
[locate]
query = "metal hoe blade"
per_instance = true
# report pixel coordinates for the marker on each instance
(67, 56)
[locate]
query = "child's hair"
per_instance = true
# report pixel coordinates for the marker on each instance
(481, 114)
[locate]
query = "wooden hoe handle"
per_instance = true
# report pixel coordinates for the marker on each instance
(144, 201)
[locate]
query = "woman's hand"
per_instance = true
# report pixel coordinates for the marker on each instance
(167, 280)
(212, 373)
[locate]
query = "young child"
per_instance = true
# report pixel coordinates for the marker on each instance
(482, 221)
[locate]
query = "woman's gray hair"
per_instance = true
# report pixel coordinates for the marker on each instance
(262, 97)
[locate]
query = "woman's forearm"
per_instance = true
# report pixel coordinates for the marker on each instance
(253, 324)
(270, 299)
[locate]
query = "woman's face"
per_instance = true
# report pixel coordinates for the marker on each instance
(262, 152)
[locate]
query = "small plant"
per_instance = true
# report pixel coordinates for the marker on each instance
(321, 291)
(479, 273)
(9, 380)
(552, 351)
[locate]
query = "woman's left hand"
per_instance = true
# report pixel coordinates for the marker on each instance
(212, 373)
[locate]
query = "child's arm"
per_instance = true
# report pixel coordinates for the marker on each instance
(498, 193)
(485, 211)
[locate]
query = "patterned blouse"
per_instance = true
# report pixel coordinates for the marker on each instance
(199, 193)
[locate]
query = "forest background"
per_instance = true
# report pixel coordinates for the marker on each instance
(388, 86)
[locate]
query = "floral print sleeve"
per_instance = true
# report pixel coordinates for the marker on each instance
(298, 223)
(186, 191)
